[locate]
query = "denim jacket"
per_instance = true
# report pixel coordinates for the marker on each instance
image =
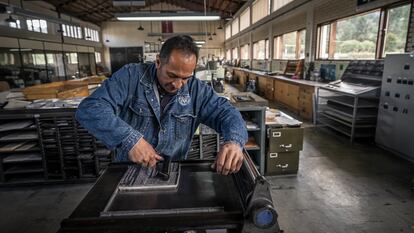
(126, 108)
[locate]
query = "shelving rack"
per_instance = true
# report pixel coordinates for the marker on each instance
(350, 105)
(61, 150)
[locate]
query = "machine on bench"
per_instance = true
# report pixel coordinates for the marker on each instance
(192, 197)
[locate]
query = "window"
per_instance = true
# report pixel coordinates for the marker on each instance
(72, 31)
(290, 45)
(228, 31)
(228, 54)
(397, 27)
(244, 52)
(72, 58)
(15, 25)
(235, 27)
(98, 58)
(38, 59)
(37, 25)
(260, 9)
(260, 50)
(235, 54)
(277, 4)
(356, 37)
(245, 19)
(91, 34)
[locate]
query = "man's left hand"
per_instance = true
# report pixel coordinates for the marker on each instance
(229, 159)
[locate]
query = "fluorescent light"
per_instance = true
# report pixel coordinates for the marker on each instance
(174, 16)
(199, 42)
(199, 45)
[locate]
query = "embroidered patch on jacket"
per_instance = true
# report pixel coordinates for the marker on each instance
(184, 99)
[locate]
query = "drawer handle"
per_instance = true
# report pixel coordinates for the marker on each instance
(286, 146)
(273, 155)
(282, 166)
(277, 134)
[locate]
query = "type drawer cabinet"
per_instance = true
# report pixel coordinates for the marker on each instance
(306, 102)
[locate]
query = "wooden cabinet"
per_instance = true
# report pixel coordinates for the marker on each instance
(269, 89)
(306, 102)
(287, 94)
(261, 85)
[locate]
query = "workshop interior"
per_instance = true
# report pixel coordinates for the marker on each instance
(325, 89)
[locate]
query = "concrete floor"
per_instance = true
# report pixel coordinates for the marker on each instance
(339, 188)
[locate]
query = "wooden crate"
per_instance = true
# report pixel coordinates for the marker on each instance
(60, 90)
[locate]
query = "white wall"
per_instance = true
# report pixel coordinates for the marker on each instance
(125, 34)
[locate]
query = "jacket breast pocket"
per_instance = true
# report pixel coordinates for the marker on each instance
(182, 124)
(142, 117)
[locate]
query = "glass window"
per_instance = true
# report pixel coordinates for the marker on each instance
(79, 33)
(235, 54)
(277, 47)
(71, 64)
(29, 25)
(228, 55)
(302, 39)
(289, 45)
(98, 58)
(350, 38)
(277, 4)
(10, 67)
(43, 26)
(244, 52)
(245, 19)
(235, 27)
(55, 67)
(84, 65)
(228, 31)
(36, 25)
(260, 50)
(397, 27)
(260, 9)
(15, 25)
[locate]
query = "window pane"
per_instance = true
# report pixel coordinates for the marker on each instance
(302, 38)
(397, 26)
(356, 37)
(260, 9)
(289, 45)
(29, 25)
(324, 41)
(259, 50)
(244, 52)
(43, 26)
(245, 19)
(36, 25)
(235, 27)
(277, 47)
(228, 54)
(235, 53)
(279, 3)
(266, 49)
(79, 33)
(228, 31)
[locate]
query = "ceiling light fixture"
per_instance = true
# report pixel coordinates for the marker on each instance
(167, 16)
(199, 42)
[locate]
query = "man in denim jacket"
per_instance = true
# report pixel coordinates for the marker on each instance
(147, 110)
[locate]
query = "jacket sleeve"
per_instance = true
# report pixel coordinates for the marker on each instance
(217, 113)
(99, 112)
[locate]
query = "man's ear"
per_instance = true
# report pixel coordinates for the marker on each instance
(158, 61)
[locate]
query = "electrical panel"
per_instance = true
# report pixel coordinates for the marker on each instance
(395, 128)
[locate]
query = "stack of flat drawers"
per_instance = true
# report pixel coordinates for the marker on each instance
(283, 146)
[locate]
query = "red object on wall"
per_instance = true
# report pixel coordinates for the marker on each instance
(167, 26)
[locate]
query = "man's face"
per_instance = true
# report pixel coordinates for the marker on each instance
(176, 73)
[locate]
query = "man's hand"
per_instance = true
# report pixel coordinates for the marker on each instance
(229, 159)
(143, 153)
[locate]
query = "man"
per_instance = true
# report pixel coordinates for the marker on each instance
(145, 111)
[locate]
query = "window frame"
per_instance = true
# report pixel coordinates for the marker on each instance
(382, 28)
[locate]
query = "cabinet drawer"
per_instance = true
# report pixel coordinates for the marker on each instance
(282, 163)
(285, 139)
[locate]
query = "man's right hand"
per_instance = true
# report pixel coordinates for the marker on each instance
(143, 153)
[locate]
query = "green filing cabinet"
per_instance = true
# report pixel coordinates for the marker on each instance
(284, 141)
